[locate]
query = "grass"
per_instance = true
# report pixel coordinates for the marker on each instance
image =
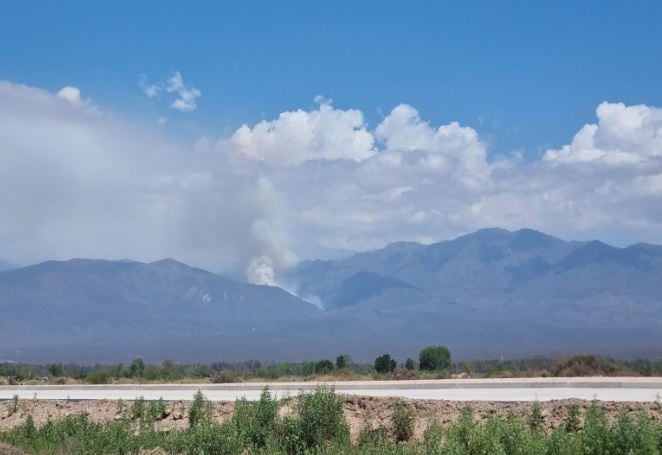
(317, 425)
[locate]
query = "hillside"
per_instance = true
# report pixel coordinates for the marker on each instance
(97, 309)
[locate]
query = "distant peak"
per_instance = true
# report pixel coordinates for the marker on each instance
(529, 231)
(486, 233)
(168, 262)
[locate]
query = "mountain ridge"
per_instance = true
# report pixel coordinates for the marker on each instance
(482, 294)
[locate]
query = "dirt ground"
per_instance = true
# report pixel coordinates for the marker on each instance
(360, 412)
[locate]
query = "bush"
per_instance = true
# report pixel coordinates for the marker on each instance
(403, 421)
(138, 408)
(97, 377)
(13, 406)
(401, 374)
(572, 422)
(343, 361)
(324, 367)
(385, 364)
(156, 410)
(321, 419)
(200, 411)
(434, 358)
(137, 368)
(410, 364)
(55, 370)
(255, 422)
(373, 436)
(536, 419)
(224, 377)
(432, 438)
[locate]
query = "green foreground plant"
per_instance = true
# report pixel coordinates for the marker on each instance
(316, 425)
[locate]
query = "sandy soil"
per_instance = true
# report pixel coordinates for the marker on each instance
(360, 412)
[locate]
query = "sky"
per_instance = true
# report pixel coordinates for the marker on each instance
(246, 136)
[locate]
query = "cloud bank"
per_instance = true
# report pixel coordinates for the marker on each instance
(75, 182)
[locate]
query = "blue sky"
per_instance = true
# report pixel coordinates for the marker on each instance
(524, 74)
(197, 131)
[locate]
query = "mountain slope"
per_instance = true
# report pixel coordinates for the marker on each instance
(533, 275)
(485, 294)
(132, 303)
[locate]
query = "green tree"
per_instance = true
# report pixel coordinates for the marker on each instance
(55, 370)
(324, 367)
(385, 364)
(343, 361)
(137, 368)
(434, 358)
(120, 371)
(410, 364)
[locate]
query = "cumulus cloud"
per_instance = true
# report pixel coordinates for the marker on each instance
(71, 94)
(185, 96)
(308, 183)
(623, 135)
(298, 136)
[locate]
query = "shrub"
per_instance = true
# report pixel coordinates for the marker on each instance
(120, 371)
(403, 421)
(535, 418)
(98, 377)
(321, 419)
(13, 406)
(401, 374)
(200, 411)
(572, 422)
(324, 367)
(137, 368)
(55, 369)
(156, 410)
(373, 436)
(224, 377)
(255, 422)
(138, 408)
(410, 364)
(434, 358)
(385, 364)
(596, 432)
(343, 361)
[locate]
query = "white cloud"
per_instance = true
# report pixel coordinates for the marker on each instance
(186, 96)
(298, 136)
(71, 94)
(623, 135)
(306, 183)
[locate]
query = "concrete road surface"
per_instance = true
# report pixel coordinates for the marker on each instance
(504, 390)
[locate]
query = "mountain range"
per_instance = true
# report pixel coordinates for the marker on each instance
(487, 294)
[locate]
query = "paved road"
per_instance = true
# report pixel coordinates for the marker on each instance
(505, 390)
